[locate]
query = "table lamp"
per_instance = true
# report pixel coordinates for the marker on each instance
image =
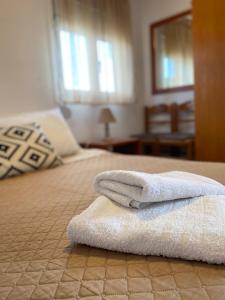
(106, 117)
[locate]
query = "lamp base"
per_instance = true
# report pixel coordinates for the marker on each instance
(107, 131)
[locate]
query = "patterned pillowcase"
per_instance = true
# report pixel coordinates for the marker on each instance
(24, 149)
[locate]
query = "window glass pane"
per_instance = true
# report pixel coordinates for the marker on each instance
(66, 60)
(105, 65)
(74, 61)
(80, 66)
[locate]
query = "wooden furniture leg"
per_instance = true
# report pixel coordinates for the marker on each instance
(189, 149)
(156, 148)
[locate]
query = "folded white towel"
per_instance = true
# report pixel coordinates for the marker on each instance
(137, 190)
(191, 229)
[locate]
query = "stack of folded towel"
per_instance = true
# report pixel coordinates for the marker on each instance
(175, 214)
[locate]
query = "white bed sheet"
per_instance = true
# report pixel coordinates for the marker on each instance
(83, 154)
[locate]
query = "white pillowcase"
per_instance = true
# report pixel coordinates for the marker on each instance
(53, 124)
(25, 148)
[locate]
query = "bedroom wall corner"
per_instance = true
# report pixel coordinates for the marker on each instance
(151, 11)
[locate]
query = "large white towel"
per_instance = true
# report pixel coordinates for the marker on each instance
(137, 190)
(191, 229)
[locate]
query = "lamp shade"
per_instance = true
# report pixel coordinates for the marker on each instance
(106, 116)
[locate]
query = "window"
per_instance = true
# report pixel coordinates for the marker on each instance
(94, 51)
(75, 67)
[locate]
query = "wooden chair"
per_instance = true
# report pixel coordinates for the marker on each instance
(152, 121)
(181, 115)
(185, 115)
(156, 110)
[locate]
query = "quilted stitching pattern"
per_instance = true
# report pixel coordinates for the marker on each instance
(37, 262)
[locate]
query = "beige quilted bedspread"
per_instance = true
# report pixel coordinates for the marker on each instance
(37, 262)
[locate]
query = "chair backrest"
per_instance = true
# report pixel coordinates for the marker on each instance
(167, 110)
(185, 113)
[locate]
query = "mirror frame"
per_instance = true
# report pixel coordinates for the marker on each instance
(154, 26)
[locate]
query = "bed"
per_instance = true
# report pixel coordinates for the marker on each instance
(37, 261)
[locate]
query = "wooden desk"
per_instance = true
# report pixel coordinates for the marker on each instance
(120, 145)
(187, 144)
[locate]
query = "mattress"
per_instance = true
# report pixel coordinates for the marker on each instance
(37, 261)
(83, 154)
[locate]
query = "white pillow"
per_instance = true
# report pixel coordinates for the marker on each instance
(25, 148)
(53, 124)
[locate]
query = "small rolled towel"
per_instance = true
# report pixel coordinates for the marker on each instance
(138, 190)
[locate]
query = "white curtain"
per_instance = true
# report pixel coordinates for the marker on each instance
(95, 51)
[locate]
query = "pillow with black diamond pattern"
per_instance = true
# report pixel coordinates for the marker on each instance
(25, 148)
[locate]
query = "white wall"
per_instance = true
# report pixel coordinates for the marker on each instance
(25, 70)
(26, 81)
(150, 11)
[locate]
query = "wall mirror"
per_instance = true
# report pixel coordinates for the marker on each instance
(172, 54)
